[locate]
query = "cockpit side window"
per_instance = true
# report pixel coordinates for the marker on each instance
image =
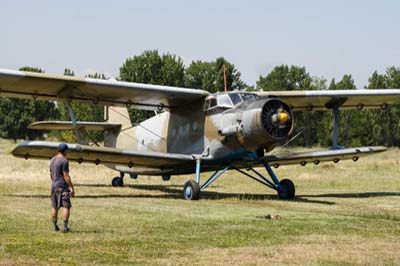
(210, 103)
(213, 102)
(248, 96)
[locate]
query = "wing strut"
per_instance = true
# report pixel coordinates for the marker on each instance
(335, 104)
(74, 122)
(336, 119)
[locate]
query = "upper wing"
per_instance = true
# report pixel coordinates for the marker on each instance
(101, 155)
(329, 99)
(21, 84)
(316, 157)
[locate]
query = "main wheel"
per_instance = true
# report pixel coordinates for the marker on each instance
(191, 190)
(117, 182)
(286, 189)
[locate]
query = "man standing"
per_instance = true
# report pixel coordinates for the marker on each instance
(61, 188)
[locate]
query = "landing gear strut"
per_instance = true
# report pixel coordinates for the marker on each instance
(285, 188)
(192, 189)
(118, 181)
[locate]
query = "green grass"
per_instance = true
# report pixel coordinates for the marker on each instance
(344, 214)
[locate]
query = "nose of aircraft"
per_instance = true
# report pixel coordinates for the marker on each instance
(283, 117)
(280, 117)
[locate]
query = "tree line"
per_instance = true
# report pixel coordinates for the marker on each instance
(366, 127)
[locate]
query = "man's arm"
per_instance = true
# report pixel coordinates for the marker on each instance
(51, 174)
(67, 178)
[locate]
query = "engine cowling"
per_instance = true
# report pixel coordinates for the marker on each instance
(265, 124)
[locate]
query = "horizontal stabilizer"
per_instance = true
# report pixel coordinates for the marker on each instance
(67, 125)
(316, 157)
(101, 155)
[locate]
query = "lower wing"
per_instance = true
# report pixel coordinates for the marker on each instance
(102, 155)
(316, 157)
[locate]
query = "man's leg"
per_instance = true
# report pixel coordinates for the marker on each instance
(54, 215)
(66, 214)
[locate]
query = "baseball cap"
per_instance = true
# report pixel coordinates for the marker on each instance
(62, 147)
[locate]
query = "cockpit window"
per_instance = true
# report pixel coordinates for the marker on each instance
(220, 102)
(224, 101)
(248, 96)
(213, 102)
(235, 98)
(210, 103)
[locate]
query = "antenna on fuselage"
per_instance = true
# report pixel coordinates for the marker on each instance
(225, 85)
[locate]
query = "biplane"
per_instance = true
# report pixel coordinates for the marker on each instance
(192, 130)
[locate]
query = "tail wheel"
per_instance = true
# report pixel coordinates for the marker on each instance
(286, 189)
(117, 182)
(191, 190)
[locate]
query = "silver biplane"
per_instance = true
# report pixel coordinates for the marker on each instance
(192, 131)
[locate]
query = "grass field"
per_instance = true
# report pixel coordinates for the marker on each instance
(344, 214)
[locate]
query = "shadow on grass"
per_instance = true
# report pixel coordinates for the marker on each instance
(354, 195)
(175, 192)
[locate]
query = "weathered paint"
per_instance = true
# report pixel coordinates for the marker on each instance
(170, 142)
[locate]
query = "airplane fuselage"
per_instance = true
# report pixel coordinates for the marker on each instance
(224, 127)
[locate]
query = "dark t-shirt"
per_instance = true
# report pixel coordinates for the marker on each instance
(58, 166)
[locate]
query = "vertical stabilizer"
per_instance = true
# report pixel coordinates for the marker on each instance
(119, 115)
(118, 138)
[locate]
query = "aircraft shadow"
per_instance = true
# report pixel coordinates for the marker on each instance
(354, 195)
(175, 192)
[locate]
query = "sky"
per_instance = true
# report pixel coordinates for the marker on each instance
(329, 38)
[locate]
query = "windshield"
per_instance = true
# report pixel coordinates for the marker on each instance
(235, 98)
(224, 101)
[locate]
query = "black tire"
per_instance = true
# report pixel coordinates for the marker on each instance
(191, 190)
(117, 182)
(286, 189)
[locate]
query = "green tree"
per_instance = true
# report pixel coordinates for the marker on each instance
(386, 121)
(201, 75)
(332, 85)
(151, 68)
(69, 72)
(318, 83)
(287, 78)
(233, 76)
(17, 114)
(377, 81)
(209, 76)
(96, 75)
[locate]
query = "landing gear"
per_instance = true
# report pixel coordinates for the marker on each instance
(286, 189)
(191, 190)
(118, 181)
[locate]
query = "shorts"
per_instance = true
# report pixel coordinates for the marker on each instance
(60, 197)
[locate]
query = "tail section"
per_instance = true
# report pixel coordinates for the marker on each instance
(118, 115)
(118, 138)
